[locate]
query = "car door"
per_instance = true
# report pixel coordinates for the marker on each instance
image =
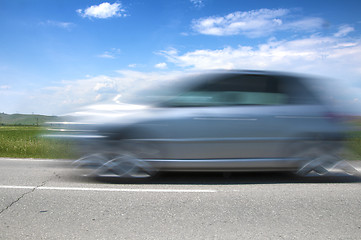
(231, 116)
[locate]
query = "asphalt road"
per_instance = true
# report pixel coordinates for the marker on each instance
(44, 199)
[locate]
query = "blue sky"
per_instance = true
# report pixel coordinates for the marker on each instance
(57, 55)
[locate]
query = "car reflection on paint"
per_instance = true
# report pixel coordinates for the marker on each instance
(219, 121)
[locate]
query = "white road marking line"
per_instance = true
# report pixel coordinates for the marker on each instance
(111, 189)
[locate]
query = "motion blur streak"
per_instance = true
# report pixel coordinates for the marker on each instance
(214, 121)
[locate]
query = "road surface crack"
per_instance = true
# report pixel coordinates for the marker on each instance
(26, 193)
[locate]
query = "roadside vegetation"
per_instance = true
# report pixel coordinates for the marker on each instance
(27, 142)
(354, 142)
(27, 119)
(355, 145)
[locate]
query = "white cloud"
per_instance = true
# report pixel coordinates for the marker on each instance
(68, 96)
(4, 87)
(197, 3)
(255, 23)
(162, 65)
(113, 53)
(104, 86)
(313, 54)
(65, 25)
(344, 30)
(103, 10)
(106, 55)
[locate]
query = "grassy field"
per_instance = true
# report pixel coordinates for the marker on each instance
(26, 142)
(354, 144)
(27, 119)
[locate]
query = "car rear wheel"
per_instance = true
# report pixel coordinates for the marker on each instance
(315, 159)
(322, 159)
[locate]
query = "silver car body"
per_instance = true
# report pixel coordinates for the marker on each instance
(222, 121)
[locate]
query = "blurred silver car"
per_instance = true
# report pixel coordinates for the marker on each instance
(219, 121)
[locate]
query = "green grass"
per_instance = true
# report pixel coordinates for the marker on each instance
(354, 144)
(26, 142)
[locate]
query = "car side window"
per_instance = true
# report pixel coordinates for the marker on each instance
(299, 93)
(233, 90)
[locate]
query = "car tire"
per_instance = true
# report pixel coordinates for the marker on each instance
(313, 157)
(121, 165)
